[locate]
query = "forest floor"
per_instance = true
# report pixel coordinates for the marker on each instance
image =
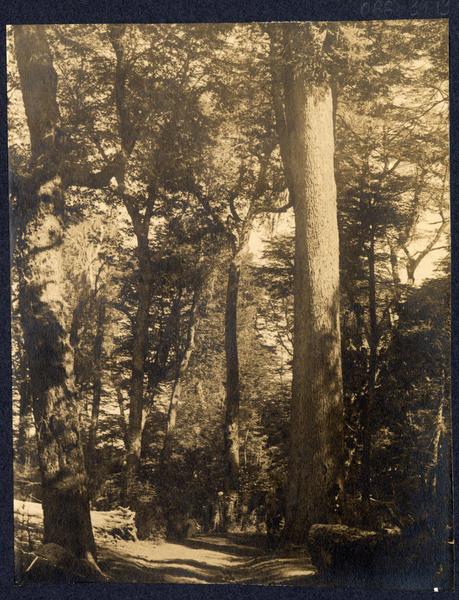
(207, 559)
(234, 558)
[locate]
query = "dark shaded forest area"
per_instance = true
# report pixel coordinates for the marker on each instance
(230, 295)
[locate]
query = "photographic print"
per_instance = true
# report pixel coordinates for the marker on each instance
(230, 288)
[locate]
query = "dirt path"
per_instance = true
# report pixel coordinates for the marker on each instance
(206, 559)
(241, 558)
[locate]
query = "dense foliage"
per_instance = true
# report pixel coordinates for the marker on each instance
(182, 122)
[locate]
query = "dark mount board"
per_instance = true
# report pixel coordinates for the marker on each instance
(151, 11)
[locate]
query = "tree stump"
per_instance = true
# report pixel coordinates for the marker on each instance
(354, 555)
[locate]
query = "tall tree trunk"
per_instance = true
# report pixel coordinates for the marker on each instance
(368, 400)
(44, 310)
(158, 370)
(139, 354)
(440, 485)
(180, 373)
(394, 266)
(315, 479)
(141, 224)
(439, 445)
(122, 418)
(96, 394)
(231, 423)
(395, 269)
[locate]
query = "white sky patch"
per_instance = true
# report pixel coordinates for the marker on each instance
(427, 227)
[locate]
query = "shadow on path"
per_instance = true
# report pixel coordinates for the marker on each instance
(237, 559)
(246, 546)
(234, 558)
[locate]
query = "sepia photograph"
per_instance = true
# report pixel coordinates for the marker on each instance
(230, 295)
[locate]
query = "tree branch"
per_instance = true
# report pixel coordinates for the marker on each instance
(277, 93)
(278, 209)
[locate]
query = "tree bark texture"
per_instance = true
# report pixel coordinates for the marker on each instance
(233, 395)
(25, 434)
(139, 354)
(45, 314)
(141, 224)
(316, 435)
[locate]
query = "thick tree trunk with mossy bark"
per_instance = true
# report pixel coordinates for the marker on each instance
(45, 314)
(315, 478)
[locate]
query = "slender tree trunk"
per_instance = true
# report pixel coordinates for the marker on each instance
(44, 310)
(369, 397)
(141, 224)
(410, 271)
(139, 354)
(231, 423)
(438, 442)
(315, 480)
(395, 269)
(158, 370)
(394, 266)
(440, 486)
(122, 418)
(174, 402)
(181, 371)
(96, 393)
